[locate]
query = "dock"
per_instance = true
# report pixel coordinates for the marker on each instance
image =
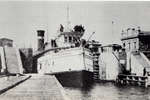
(37, 87)
(133, 80)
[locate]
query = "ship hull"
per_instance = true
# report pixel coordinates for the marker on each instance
(77, 79)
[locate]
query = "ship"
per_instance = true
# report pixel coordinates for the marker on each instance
(73, 60)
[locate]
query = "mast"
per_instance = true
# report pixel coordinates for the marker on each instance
(91, 36)
(47, 20)
(112, 30)
(47, 32)
(68, 22)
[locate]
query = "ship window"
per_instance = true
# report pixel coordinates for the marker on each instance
(65, 38)
(74, 39)
(70, 39)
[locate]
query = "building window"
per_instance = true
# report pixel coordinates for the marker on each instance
(134, 45)
(102, 49)
(129, 46)
(124, 44)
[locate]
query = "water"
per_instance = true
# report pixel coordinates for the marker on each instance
(109, 91)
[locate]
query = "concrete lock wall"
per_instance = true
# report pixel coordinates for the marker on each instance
(2, 58)
(109, 66)
(137, 64)
(10, 60)
(27, 60)
(136, 68)
(13, 60)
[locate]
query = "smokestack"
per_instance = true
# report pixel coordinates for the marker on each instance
(139, 29)
(40, 34)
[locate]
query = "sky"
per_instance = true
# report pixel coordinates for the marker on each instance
(19, 20)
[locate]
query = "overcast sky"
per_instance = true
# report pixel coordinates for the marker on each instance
(20, 20)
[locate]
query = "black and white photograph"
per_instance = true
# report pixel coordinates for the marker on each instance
(74, 50)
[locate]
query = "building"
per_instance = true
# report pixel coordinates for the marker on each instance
(6, 42)
(137, 45)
